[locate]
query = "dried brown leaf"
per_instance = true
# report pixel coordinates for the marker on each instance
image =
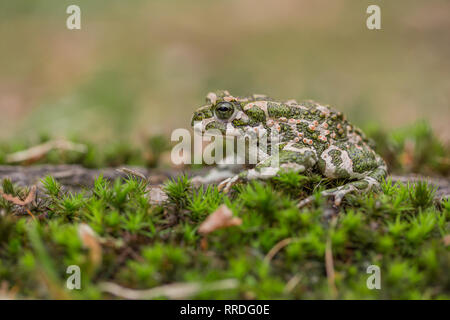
(221, 218)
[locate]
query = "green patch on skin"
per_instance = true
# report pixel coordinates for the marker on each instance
(362, 158)
(285, 128)
(335, 155)
(216, 125)
(361, 184)
(201, 115)
(295, 113)
(207, 114)
(288, 136)
(292, 157)
(198, 116)
(320, 146)
(277, 110)
(239, 123)
(342, 173)
(302, 127)
(321, 164)
(256, 115)
(378, 174)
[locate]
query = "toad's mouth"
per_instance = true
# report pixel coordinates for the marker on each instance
(228, 133)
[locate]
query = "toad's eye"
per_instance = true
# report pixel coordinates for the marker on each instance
(224, 110)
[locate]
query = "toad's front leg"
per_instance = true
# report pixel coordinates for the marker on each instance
(297, 160)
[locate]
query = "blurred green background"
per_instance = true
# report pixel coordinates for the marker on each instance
(138, 68)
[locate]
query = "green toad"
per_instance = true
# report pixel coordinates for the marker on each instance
(312, 137)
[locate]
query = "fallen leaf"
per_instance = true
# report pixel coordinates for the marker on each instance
(16, 200)
(221, 218)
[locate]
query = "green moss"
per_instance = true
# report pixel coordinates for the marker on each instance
(144, 246)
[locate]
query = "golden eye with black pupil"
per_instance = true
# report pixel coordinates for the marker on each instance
(224, 110)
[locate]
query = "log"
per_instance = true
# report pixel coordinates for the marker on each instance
(75, 177)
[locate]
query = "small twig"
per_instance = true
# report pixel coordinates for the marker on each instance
(171, 291)
(292, 283)
(66, 174)
(29, 212)
(329, 265)
(132, 172)
(41, 150)
(280, 245)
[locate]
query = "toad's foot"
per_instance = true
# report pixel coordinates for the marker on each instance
(360, 186)
(258, 173)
